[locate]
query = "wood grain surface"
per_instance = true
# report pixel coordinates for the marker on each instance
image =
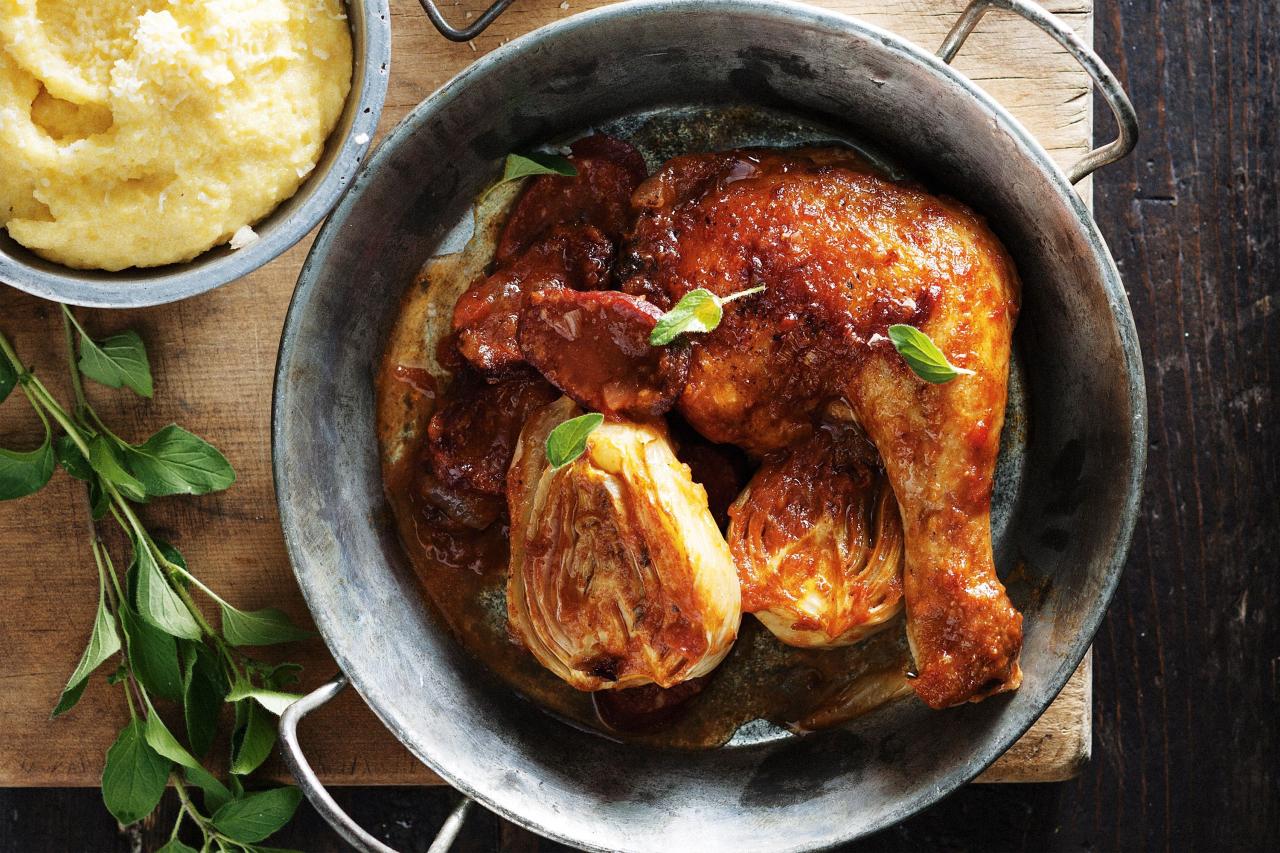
(213, 358)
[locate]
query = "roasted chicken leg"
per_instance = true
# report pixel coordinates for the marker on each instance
(844, 253)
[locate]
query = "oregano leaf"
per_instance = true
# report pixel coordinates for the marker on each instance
(204, 690)
(8, 377)
(519, 166)
(923, 356)
(257, 815)
(259, 627)
(103, 457)
(71, 459)
(568, 440)
(253, 738)
(274, 701)
(103, 643)
(157, 602)
(25, 472)
(162, 741)
(118, 360)
(698, 311)
(134, 776)
(153, 654)
(216, 794)
(177, 462)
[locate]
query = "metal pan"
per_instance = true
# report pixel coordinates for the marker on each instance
(1069, 520)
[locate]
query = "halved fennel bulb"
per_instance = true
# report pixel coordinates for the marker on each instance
(817, 539)
(619, 576)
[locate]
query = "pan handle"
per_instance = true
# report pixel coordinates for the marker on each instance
(320, 798)
(1108, 85)
(467, 33)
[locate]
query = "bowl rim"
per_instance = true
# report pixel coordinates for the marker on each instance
(800, 14)
(124, 289)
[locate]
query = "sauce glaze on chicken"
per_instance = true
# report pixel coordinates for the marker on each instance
(871, 490)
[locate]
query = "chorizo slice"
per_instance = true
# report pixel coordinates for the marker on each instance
(594, 346)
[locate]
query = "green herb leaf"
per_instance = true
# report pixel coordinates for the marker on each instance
(119, 360)
(258, 815)
(103, 643)
(71, 459)
(281, 675)
(162, 741)
(216, 794)
(8, 378)
(568, 440)
(24, 473)
(157, 601)
(259, 627)
(253, 737)
(699, 310)
(103, 457)
(177, 462)
(176, 846)
(204, 689)
(153, 654)
(99, 501)
(923, 356)
(134, 777)
(274, 701)
(520, 166)
(120, 674)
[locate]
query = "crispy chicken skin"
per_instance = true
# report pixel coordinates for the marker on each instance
(817, 541)
(845, 253)
(619, 576)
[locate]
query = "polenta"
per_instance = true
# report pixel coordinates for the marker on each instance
(144, 132)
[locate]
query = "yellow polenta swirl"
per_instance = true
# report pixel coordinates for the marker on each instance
(143, 132)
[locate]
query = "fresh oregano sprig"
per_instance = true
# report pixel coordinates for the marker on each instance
(149, 623)
(699, 310)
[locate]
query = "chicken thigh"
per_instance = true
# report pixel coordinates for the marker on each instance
(843, 254)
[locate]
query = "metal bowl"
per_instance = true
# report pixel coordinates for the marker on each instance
(1069, 522)
(370, 22)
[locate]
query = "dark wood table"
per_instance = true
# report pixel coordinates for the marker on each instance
(1187, 664)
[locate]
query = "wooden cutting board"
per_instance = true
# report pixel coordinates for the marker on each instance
(213, 358)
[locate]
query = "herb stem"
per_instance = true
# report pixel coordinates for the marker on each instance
(182, 812)
(195, 610)
(106, 569)
(24, 378)
(203, 588)
(59, 414)
(188, 807)
(10, 354)
(77, 385)
(725, 300)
